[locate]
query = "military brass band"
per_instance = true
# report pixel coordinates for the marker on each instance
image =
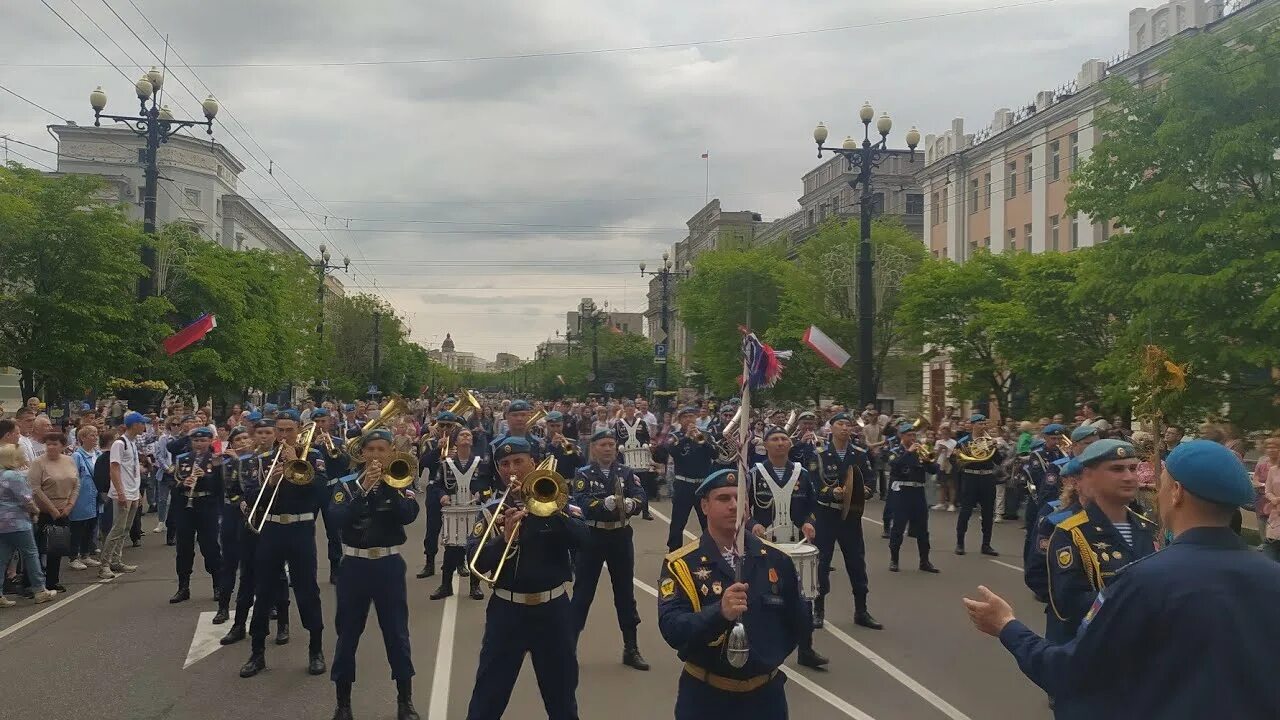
(532, 517)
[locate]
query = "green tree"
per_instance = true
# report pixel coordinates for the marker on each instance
(69, 268)
(1189, 169)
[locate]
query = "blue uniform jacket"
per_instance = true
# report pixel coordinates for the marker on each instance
(1043, 474)
(297, 499)
(908, 467)
(184, 465)
(1035, 570)
(693, 580)
(1184, 634)
(540, 560)
(373, 519)
(760, 496)
(831, 473)
(1085, 551)
(593, 484)
(692, 459)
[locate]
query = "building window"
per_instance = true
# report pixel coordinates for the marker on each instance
(142, 194)
(1011, 180)
(221, 170)
(1055, 160)
(193, 197)
(810, 217)
(1026, 237)
(1053, 233)
(973, 248)
(1013, 239)
(239, 241)
(835, 204)
(1075, 232)
(937, 211)
(142, 156)
(877, 203)
(1026, 172)
(822, 212)
(1074, 145)
(973, 196)
(986, 242)
(986, 181)
(915, 203)
(945, 204)
(217, 206)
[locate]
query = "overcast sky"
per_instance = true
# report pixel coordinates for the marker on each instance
(489, 194)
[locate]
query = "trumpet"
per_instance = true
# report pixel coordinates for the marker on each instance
(697, 435)
(330, 447)
(297, 472)
(926, 454)
(545, 493)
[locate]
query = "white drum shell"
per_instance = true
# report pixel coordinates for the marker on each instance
(457, 524)
(637, 458)
(805, 557)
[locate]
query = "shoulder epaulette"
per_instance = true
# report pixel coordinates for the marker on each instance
(681, 552)
(1057, 517)
(1074, 521)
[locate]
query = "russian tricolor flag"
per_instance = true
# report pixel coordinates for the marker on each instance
(190, 334)
(835, 355)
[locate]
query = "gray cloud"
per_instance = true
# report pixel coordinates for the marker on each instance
(609, 139)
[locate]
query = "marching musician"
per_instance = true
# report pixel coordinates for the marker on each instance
(907, 470)
(692, 459)
(249, 480)
(609, 494)
(288, 537)
(372, 516)
(843, 467)
(1040, 476)
(977, 486)
(231, 465)
(194, 510)
(336, 467)
(429, 460)
(461, 479)
(804, 446)
(632, 431)
(780, 495)
(568, 459)
(700, 599)
(528, 611)
(517, 426)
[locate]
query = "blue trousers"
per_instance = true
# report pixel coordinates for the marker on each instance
(830, 530)
(333, 533)
(380, 583)
(197, 523)
(248, 547)
(614, 547)
(431, 542)
(511, 631)
(682, 501)
(279, 545)
(910, 517)
(696, 700)
(229, 532)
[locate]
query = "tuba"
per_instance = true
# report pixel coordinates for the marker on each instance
(545, 493)
(394, 408)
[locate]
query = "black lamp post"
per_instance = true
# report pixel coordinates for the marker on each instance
(323, 269)
(155, 124)
(591, 315)
(863, 158)
(664, 274)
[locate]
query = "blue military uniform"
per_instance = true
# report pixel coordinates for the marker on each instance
(194, 512)
(833, 527)
(910, 511)
(596, 491)
(693, 579)
(977, 489)
(1142, 647)
(692, 465)
(451, 476)
(373, 573)
(1035, 569)
(336, 466)
(529, 611)
(431, 463)
(243, 488)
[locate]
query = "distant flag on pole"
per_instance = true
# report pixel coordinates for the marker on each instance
(835, 355)
(190, 334)
(706, 155)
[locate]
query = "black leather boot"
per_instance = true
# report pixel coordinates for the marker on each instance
(446, 586)
(315, 655)
(862, 617)
(809, 657)
(463, 570)
(223, 614)
(282, 632)
(476, 592)
(893, 561)
(631, 656)
(925, 565)
(427, 570)
(256, 664)
(343, 709)
(234, 635)
(404, 701)
(819, 611)
(988, 550)
(183, 594)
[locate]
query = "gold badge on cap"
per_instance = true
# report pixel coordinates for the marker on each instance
(506, 448)
(1121, 452)
(732, 477)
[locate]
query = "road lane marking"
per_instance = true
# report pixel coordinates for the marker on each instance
(438, 709)
(57, 603)
(205, 640)
(1005, 564)
(925, 693)
(793, 674)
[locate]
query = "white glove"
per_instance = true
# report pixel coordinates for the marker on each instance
(631, 505)
(611, 503)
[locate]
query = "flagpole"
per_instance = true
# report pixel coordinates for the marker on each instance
(706, 188)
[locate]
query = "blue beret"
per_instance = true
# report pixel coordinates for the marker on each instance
(1070, 467)
(1210, 471)
(236, 432)
(977, 417)
(601, 435)
(254, 416)
(348, 408)
(906, 427)
(728, 408)
(202, 432)
(774, 430)
(134, 417)
(519, 406)
(448, 417)
(555, 416)
(688, 410)
(1053, 429)
(840, 416)
(716, 480)
(319, 413)
(185, 417)
(807, 415)
(1083, 432)
(512, 446)
(1037, 445)
(287, 415)
(271, 407)
(375, 434)
(1105, 450)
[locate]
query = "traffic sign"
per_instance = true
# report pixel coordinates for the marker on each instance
(591, 377)
(608, 388)
(660, 353)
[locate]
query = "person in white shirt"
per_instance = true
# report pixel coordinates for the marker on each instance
(26, 425)
(125, 493)
(944, 446)
(650, 420)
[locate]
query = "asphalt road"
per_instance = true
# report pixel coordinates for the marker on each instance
(117, 649)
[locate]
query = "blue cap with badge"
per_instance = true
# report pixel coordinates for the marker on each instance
(349, 407)
(1053, 429)
(601, 435)
(1082, 432)
(448, 417)
(977, 417)
(906, 427)
(687, 410)
(1068, 466)
(716, 480)
(555, 416)
(519, 406)
(201, 433)
(512, 446)
(1106, 451)
(380, 433)
(319, 413)
(287, 415)
(775, 430)
(840, 416)
(1211, 472)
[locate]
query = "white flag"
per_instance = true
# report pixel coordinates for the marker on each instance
(835, 355)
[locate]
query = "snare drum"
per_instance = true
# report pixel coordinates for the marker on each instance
(457, 524)
(805, 557)
(638, 459)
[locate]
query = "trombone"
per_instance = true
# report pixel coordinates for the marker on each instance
(297, 471)
(400, 472)
(545, 493)
(394, 408)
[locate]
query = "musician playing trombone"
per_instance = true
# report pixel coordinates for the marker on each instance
(371, 516)
(529, 611)
(288, 536)
(609, 494)
(194, 511)
(780, 495)
(336, 464)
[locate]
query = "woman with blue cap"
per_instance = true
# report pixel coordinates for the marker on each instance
(1188, 632)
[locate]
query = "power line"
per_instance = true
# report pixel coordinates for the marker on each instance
(86, 40)
(609, 50)
(33, 103)
(28, 158)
